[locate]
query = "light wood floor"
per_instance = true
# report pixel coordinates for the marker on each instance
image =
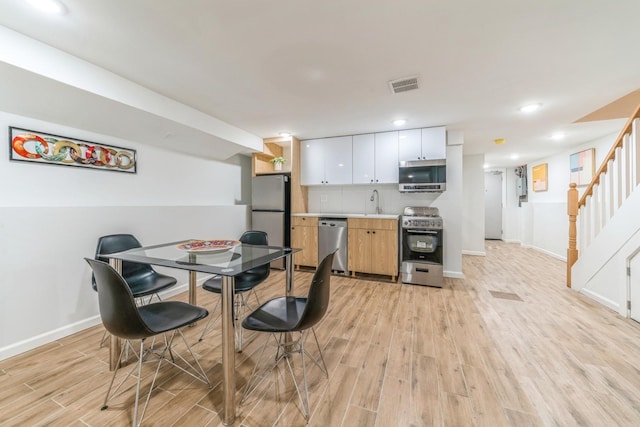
(509, 345)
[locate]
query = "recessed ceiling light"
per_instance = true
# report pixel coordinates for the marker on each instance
(485, 166)
(399, 122)
(284, 134)
(49, 6)
(530, 108)
(499, 141)
(558, 136)
(514, 156)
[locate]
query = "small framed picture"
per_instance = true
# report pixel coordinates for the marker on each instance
(582, 166)
(539, 177)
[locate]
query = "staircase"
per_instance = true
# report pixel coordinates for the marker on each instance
(604, 224)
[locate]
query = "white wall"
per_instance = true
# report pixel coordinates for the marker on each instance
(511, 214)
(356, 199)
(604, 278)
(473, 221)
(542, 222)
(51, 217)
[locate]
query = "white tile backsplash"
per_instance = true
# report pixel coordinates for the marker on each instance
(357, 199)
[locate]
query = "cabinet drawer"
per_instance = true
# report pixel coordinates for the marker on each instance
(311, 221)
(373, 223)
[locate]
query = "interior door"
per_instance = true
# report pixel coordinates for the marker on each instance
(493, 205)
(634, 286)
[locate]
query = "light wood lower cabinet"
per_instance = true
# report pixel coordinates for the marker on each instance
(373, 246)
(304, 235)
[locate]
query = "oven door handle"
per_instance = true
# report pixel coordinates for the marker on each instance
(408, 230)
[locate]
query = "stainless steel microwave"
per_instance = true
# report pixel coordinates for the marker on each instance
(423, 176)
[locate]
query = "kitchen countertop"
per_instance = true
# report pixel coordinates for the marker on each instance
(348, 215)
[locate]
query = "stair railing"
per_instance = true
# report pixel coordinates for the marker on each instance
(611, 185)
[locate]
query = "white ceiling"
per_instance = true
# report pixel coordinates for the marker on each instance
(321, 68)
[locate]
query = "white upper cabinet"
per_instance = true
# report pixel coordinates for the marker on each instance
(312, 162)
(338, 154)
(326, 161)
(410, 145)
(368, 159)
(364, 165)
(434, 143)
(375, 158)
(423, 144)
(386, 157)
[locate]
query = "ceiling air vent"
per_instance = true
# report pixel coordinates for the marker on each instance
(404, 84)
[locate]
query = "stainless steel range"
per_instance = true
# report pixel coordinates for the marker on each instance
(422, 246)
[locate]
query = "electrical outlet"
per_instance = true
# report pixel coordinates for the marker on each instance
(324, 198)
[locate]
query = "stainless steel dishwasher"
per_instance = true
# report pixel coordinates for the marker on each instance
(332, 235)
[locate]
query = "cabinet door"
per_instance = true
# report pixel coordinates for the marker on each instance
(337, 160)
(359, 249)
(384, 252)
(363, 159)
(312, 162)
(434, 143)
(305, 238)
(409, 145)
(386, 157)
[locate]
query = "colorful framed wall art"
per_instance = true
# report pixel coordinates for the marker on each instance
(582, 166)
(539, 177)
(44, 148)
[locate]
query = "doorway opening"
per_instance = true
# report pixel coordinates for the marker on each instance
(493, 205)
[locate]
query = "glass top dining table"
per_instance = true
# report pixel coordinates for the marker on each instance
(226, 262)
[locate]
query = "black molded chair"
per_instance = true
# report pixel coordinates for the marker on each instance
(124, 319)
(143, 280)
(287, 315)
(244, 283)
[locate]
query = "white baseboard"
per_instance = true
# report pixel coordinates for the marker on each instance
(544, 251)
(64, 331)
(474, 253)
(47, 337)
(511, 241)
(602, 300)
(453, 274)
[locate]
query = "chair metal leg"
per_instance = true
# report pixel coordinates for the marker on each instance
(249, 388)
(285, 349)
(306, 407)
(113, 377)
(323, 368)
(210, 321)
(240, 307)
(198, 372)
(135, 405)
(239, 315)
(104, 338)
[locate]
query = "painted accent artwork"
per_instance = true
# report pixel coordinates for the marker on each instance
(38, 147)
(582, 166)
(539, 177)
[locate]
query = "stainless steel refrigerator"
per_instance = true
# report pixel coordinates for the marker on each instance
(271, 209)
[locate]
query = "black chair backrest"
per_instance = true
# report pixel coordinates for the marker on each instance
(319, 293)
(255, 237)
(118, 309)
(118, 243)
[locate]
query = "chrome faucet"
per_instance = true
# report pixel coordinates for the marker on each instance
(376, 196)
